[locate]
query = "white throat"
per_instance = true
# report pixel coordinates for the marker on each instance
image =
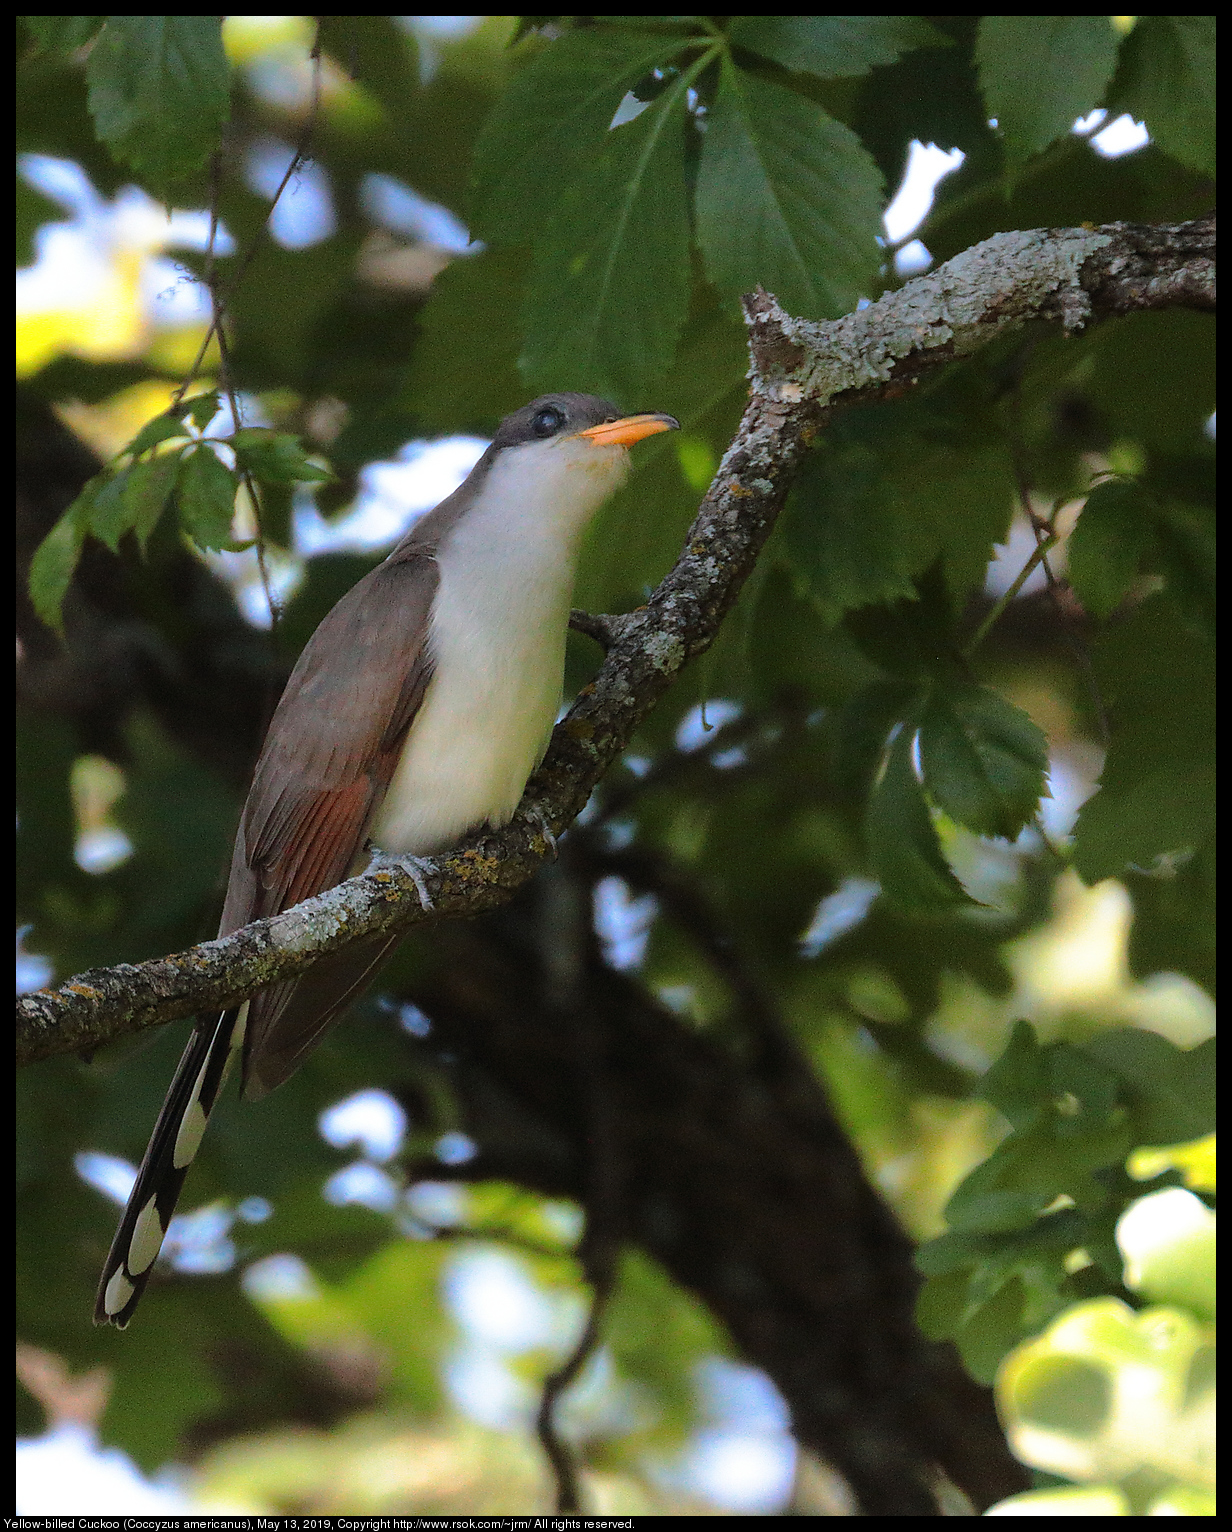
(497, 638)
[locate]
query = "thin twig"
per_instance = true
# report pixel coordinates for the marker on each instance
(1044, 530)
(1042, 549)
(497, 1236)
(672, 766)
(567, 939)
(568, 1489)
(298, 160)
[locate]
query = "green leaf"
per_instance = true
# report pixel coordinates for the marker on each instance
(1185, 556)
(1017, 1083)
(943, 1300)
(200, 409)
(863, 728)
(276, 456)
(552, 118)
(464, 370)
(902, 842)
(159, 92)
(162, 428)
(377, 53)
(993, 1330)
(1106, 548)
(1040, 73)
(1171, 1089)
(1156, 795)
(1167, 80)
(786, 197)
(983, 759)
(145, 488)
(206, 498)
(55, 559)
(32, 211)
(844, 539)
(62, 35)
(112, 512)
(610, 286)
(833, 46)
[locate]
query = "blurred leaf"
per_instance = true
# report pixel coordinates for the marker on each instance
(657, 1335)
(829, 46)
(983, 759)
(62, 35)
(1040, 73)
(112, 511)
(902, 842)
(162, 428)
(55, 559)
(845, 541)
(1153, 376)
(33, 210)
(1172, 1090)
(464, 372)
(1185, 556)
(376, 52)
(1175, 929)
(808, 193)
(1156, 795)
(1106, 548)
(1167, 80)
(1016, 1083)
(862, 729)
(159, 92)
(610, 285)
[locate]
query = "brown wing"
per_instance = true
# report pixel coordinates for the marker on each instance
(329, 755)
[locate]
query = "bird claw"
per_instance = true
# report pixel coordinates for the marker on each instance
(414, 866)
(538, 818)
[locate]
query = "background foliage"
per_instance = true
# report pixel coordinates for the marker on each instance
(864, 826)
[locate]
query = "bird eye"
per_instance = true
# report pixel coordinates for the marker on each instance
(547, 422)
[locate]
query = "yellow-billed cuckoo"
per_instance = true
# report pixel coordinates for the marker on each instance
(417, 711)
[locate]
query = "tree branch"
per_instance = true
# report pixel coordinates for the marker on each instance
(801, 371)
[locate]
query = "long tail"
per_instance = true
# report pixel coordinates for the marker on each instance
(172, 1147)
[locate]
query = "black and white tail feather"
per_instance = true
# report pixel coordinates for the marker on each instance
(173, 1145)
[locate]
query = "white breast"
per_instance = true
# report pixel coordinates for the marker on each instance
(498, 644)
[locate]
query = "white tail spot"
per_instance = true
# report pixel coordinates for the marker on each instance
(147, 1240)
(188, 1139)
(119, 1291)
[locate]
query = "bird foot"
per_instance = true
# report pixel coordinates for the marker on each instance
(538, 818)
(414, 866)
